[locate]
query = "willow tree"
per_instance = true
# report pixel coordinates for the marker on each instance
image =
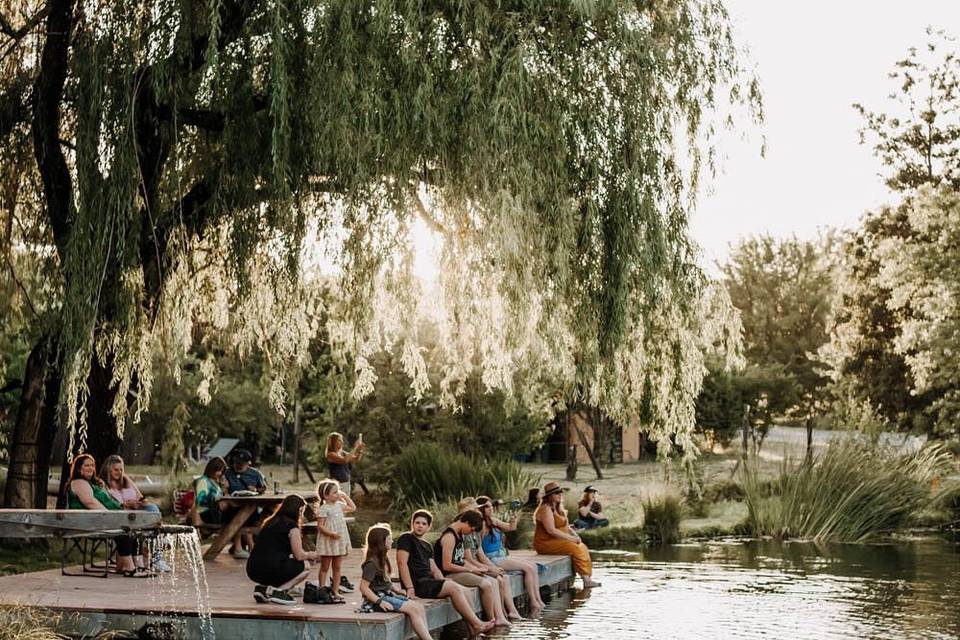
(556, 146)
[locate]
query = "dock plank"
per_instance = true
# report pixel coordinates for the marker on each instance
(95, 604)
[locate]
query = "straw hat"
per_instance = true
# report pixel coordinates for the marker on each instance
(551, 488)
(468, 504)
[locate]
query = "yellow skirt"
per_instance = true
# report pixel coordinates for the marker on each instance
(577, 551)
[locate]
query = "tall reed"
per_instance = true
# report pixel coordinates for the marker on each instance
(854, 491)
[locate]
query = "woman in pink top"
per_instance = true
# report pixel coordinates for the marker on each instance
(121, 487)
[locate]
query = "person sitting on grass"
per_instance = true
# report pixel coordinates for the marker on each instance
(376, 587)
(421, 578)
(590, 511)
(492, 543)
(474, 556)
(553, 535)
(279, 562)
(86, 491)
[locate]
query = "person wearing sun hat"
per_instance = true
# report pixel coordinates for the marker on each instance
(553, 534)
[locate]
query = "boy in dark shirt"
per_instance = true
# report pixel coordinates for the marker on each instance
(421, 578)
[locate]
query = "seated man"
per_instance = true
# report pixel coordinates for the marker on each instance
(590, 511)
(421, 578)
(243, 477)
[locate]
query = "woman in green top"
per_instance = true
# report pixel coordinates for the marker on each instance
(86, 491)
(207, 490)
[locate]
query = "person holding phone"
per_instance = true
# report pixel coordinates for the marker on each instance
(339, 460)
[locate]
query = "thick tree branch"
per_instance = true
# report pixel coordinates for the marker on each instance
(18, 34)
(48, 95)
(15, 104)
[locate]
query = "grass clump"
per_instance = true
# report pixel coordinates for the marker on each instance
(27, 623)
(853, 492)
(427, 473)
(662, 516)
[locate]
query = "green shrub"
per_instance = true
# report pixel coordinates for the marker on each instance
(722, 491)
(854, 491)
(662, 515)
(426, 473)
(614, 537)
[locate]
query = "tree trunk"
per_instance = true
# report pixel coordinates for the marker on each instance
(34, 431)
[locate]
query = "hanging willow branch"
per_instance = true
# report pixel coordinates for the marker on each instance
(543, 138)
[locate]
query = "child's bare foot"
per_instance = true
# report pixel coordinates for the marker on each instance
(515, 616)
(485, 627)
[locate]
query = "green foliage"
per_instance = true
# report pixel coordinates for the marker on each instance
(544, 143)
(487, 422)
(918, 139)
(769, 390)
(426, 473)
(662, 516)
(873, 386)
(854, 491)
(615, 537)
(784, 291)
(171, 451)
(920, 270)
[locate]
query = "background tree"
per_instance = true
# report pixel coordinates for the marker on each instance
(918, 139)
(538, 140)
(784, 291)
(921, 270)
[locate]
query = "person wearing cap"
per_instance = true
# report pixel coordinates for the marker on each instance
(590, 511)
(475, 556)
(241, 476)
(553, 534)
(493, 547)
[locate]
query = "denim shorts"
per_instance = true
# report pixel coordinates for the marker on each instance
(392, 599)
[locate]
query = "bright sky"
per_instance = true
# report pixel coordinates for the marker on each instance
(814, 60)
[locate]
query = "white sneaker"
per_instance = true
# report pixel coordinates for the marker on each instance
(242, 554)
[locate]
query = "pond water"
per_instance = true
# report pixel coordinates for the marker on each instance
(760, 589)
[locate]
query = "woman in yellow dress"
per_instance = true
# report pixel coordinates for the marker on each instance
(554, 536)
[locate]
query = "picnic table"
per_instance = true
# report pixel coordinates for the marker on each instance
(246, 505)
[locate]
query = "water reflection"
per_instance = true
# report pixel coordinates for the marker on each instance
(759, 589)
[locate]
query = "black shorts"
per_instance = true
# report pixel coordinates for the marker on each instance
(428, 587)
(213, 515)
(274, 574)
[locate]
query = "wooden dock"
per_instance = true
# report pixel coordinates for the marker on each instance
(90, 605)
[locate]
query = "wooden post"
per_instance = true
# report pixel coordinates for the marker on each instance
(809, 456)
(296, 441)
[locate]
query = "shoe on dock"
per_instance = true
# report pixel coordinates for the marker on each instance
(260, 594)
(279, 596)
(345, 585)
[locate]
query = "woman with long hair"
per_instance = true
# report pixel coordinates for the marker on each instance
(492, 541)
(554, 535)
(379, 594)
(86, 491)
(121, 487)
(339, 460)
(279, 562)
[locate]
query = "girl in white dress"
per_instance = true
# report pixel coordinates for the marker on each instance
(333, 538)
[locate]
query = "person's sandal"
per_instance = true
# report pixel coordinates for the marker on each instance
(139, 572)
(336, 598)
